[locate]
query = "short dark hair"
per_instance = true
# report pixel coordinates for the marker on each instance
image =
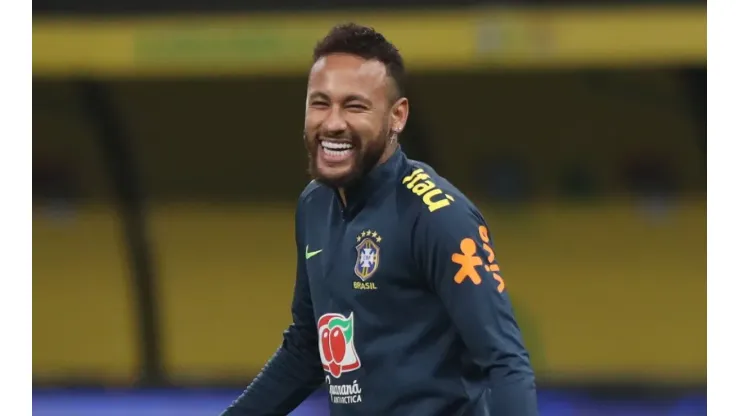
(365, 42)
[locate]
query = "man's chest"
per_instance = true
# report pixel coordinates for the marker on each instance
(364, 260)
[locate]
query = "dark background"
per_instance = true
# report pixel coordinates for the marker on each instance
(106, 7)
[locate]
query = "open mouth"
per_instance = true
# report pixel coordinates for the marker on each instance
(336, 150)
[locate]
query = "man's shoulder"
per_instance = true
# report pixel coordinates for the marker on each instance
(313, 190)
(433, 195)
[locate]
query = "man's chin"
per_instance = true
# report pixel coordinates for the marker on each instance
(335, 176)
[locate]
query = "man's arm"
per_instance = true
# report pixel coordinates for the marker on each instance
(294, 371)
(455, 252)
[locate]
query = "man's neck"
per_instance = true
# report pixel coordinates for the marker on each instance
(342, 196)
(387, 153)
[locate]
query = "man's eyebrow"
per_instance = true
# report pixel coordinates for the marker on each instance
(351, 97)
(319, 94)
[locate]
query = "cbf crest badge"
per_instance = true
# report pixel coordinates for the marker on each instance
(368, 254)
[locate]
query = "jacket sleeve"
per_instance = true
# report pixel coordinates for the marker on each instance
(294, 371)
(454, 251)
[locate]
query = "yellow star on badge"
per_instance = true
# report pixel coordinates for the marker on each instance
(375, 234)
(378, 239)
(358, 238)
(364, 233)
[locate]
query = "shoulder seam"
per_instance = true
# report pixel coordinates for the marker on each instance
(309, 189)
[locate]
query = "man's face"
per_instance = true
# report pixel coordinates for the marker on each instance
(348, 118)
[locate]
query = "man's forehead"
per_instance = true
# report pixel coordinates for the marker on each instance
(348, 69)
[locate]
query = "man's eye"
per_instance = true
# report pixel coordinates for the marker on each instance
(358, 107)
(320, 104)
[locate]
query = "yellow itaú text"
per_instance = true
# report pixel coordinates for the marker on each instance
(418, 182)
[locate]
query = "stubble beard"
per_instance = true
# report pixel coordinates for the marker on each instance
(366, 157)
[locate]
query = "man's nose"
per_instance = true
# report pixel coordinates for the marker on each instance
(335, 123)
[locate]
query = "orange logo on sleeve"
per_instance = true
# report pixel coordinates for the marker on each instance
(468, 261)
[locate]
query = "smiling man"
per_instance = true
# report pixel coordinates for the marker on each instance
(399, 303)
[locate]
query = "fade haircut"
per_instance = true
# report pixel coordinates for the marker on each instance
(366, 43)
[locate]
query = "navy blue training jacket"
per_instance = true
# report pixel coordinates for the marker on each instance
(400, 306)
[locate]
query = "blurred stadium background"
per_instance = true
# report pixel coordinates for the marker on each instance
(167, 158)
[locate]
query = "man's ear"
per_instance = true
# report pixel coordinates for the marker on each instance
(399, 115)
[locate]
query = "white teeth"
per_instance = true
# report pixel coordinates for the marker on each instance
(335, 145)
(337, 153)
